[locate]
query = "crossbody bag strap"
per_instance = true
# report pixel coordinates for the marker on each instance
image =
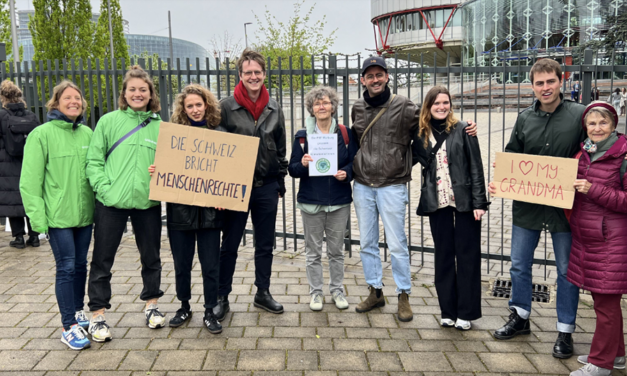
(377, 118)
(129, 134)
(433, 152)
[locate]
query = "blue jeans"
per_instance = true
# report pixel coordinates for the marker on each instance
(390, 202)
(70, 246)
(524, 243)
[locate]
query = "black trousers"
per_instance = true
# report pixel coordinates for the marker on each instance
(109, 225)
(263, 209)
(183, 245)
(17, 227)
(457, 237)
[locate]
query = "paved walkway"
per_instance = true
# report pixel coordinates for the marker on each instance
(298, 342)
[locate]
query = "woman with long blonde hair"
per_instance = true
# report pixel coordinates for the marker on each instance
(453, 196)
(189, 225)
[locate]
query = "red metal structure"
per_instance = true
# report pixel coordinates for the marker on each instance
(439, 43)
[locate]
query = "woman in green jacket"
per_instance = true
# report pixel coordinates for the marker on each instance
(122, 149)
(60, 202)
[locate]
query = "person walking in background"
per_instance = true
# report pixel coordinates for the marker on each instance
(60, 202)
(16, 122)
(577, 89)
(623, 101)
(251, 112)
(598, 257)
(454, 198)
(594, 94)
(324, 201)
(550, 127)
(189, 225)
(614, 99)
(121, 150)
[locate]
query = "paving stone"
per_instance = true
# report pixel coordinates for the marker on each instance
(262, 360)
(13, 344)
(331, 332)
(241, 343)
(547, 364)
(424, 361)
(424, 346)
(279, 344)
(244, 319)
(309, 319)
(348, 320)
(374, 333)
(257, 331)
(138, 360)
(220, 360)
(507, 363)
(56, 361)
(508, 347)
(203, 344)
(351, 344)
(290, 332)
(164, 344)
(317, 344)
(470, 346)
(393, 345)
(302, 360)
(465, 361)
(285, 319)
(380, 361)
(404, 333)
(180, 360)
(102, 360)
(127, 344)
(343, 361)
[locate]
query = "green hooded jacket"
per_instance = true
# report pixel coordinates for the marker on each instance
(123, 180)
(53, 183)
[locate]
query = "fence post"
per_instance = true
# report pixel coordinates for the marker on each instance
(163, 93)
(332, 71)
(586, 84)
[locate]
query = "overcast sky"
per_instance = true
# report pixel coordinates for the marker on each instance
(199, 20)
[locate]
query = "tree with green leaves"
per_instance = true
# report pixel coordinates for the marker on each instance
(299, 36)
(102, 45)
(62, 29)
(5, 31)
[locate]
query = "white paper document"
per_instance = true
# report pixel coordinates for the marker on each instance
(323, 150)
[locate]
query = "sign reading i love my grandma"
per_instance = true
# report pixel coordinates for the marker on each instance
(201, 167)
(536, 179)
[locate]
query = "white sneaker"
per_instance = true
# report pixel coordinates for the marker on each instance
(316, 302)
(619, 362)
(99, 329)
(463, 324)
(591, 370)
(154, 318)
(339, 299)
(447, 323)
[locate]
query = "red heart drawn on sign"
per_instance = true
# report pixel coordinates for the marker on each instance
(528, 166)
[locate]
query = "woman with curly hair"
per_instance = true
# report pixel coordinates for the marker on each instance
(15, 123)
(195, 106)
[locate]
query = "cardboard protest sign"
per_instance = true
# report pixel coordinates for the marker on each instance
(201, 167)
(536, 179)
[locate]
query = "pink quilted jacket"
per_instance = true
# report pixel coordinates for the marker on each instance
(598, 258)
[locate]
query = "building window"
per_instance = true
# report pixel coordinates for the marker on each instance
(410, 22)
(439, 18)
(400, 23)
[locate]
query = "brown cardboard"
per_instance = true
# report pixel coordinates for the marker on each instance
(201, 167)
(536, 179)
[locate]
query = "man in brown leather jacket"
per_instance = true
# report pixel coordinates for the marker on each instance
(384, 125)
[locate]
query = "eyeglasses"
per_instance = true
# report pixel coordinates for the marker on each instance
(379, 76)
(324, 104)
(250, 73)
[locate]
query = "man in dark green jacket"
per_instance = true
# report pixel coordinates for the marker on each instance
(550, 127)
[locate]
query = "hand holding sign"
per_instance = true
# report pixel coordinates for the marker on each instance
(536, 179)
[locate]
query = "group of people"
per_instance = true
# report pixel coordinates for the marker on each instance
(74, 181)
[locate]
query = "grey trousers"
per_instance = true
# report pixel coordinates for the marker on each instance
(316, 225)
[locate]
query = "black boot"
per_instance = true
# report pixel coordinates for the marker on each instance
(211, 322)
(264, 300)
(18, 242)
(33, 241)
(222, 308)
(515, 326)
(563, 348)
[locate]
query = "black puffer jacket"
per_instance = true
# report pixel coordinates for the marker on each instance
(182, 217)
(270, 128)
(11, 167)
(465, 167)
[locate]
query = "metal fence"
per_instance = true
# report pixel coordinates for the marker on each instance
(500, 87)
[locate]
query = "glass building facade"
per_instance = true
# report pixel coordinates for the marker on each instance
(435, 18)
(497, 30)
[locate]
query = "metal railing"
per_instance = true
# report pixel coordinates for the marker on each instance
(37, 79)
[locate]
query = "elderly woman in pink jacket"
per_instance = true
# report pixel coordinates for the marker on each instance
(598, 258)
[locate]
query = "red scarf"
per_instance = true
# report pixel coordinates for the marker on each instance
(255, 109)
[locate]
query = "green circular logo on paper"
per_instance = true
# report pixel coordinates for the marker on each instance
(323, 165)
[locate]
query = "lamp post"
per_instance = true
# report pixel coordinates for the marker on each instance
(16, 48)
(246, 34)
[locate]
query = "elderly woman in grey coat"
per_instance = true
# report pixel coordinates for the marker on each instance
(324, 201)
